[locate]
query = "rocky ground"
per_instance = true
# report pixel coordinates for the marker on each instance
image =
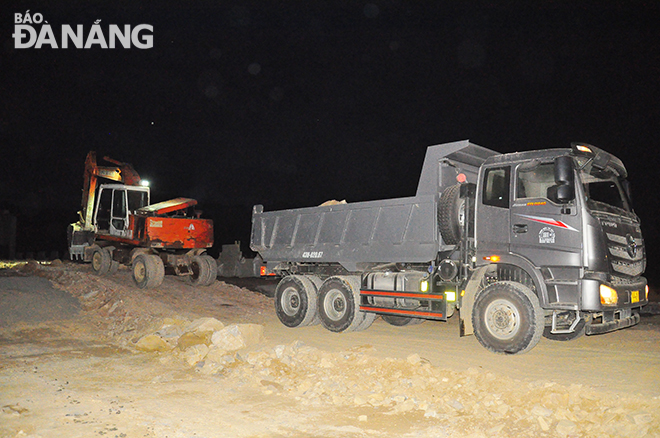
(84, 356)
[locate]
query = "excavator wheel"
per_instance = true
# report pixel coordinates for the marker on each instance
(201, 270)
(148, 271)
(101, 260)
(213, 269)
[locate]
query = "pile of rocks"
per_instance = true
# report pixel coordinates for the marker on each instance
(467, 402)
(205, 343)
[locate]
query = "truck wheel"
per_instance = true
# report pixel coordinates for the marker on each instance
(101, 260)
(213, 269)
(148, 271)
(339, 307)
(507, 318)
(296, 301)
(401, 321)
(451, 215)
(367, 318)
(200, 271)
(565, 321)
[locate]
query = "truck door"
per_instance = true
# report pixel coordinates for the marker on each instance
(492, 213)
(546, 233)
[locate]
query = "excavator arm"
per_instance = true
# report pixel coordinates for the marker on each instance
(122, 172)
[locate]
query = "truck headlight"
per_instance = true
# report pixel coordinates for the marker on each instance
(450, 295)
(608, 296)
(424, 286)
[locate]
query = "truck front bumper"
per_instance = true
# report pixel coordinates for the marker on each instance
(611, 322)
(620, 314)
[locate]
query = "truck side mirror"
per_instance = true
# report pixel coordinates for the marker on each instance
(563, 191)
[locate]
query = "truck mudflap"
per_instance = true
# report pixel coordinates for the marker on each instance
(611, 324)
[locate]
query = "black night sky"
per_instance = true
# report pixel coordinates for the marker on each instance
(289, 104)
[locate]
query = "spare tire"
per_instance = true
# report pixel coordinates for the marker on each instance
(451, 215)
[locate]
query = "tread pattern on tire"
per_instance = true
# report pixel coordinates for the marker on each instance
(106, 260)
(307, 292)
(448, 211)
(213, 269)
(154, 271)
(537, 319)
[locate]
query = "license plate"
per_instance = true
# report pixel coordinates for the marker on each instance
(634, 296)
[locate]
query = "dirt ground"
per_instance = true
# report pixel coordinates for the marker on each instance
(84, 356)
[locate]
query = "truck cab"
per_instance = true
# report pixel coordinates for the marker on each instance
(561, 222)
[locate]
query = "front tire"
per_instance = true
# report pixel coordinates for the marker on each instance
(101, 260)
(507, 318)
(296, 301)
(148, 271)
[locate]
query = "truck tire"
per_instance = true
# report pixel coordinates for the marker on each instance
(339, 304)
(566, 320)
(367, 318)
(213, 269)
(200, 271)
(148, 271)
(401, 321)
(296, 301)
(451, 215)
(101, 260)
(507, 318)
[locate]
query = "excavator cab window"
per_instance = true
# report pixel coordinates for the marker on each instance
(137, 199)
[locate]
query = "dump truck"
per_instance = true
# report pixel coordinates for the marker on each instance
(118, 225)
(524, 245)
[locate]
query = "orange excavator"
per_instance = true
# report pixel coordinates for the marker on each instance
(118, 225)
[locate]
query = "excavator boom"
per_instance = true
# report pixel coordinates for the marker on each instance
(123, 172)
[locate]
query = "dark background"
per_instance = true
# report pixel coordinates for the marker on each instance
(289, 104)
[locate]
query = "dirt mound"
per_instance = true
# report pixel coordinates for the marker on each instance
(33, 300)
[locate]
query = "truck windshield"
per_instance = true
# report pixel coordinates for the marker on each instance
(605, 194)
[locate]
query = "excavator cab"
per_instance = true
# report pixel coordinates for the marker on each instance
(116, 203)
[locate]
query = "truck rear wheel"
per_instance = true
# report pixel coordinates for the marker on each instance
(101, 260)
(507, 318)
(296, 301)
(148, 271)
(339, 305)
(451, 215)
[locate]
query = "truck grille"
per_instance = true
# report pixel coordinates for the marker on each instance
(627, 254)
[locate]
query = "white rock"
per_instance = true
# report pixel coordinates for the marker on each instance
(363, 418)
(215, 354)
(238, 336)
(195, 354)
(202, 325)
(566, 427)
(414, 359)
(540, 411)
(152, 343)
